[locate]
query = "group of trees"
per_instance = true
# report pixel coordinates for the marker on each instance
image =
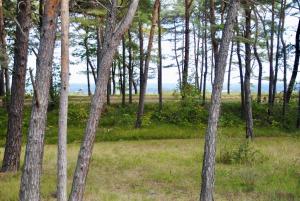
(110, 36)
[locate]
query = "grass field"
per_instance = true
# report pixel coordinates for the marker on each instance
(168, 170)
(162, 161)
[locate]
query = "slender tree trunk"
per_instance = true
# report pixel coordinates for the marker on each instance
(188, 4)
(130, 67)
(2, 84)
(159, 80)
(108, 90)
(141, 41)
(271, 78)
(124, 71)
(208, 169)
(11, 161)
(140, 112)
(229, 68)
(248, 101)
(296, 65)
(4, 59)
(260, 66)
(113, 75)
(30, 182)
(298, 115)
(206, 59)
(176, 57)
(238, 49)
(88, 76)
(135, 87)
(112, 40)
(284, 59)
(213, 28)
(196, 55)
(63, 105)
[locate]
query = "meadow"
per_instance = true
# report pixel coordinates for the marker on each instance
(162, 161)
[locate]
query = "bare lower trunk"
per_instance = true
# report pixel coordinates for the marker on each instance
(63, 105)
(238, 46)
(124, 72)
(208, 169)
(113, 37)
(30, 182)
(229, 69)
(248, 101)
(130, 66)
(140, 111)
(159, 80)
(11, 161)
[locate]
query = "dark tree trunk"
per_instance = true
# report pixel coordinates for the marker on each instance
(30, 182)
(130, 67)
(88, 77)
(196, 55)
(260, 66)
(141, 41)
(208, 169)
(248, 101)
(108, 90)
(188, 4)
(206, 60)
(296, 65)
(135, 87)
(159, 80)
(284, 59)
(229, 68)
(238, 49)
(176, 57)
(298, 115)
(213, 29)
(123, 71)
(113, 75)
(112, 41)
(11, 161)
(271, 78)
(2, 84)
(140, 112)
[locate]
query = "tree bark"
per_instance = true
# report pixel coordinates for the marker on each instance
(229, 68)
(248, 101)
(63, 105)
(260, 66)
(188, 4)
(113, 37)
(140, 112)
(30, 181)
(124, 71)
(238, 49)
(11, 161)
(271, 78)
(296, 65)
(205, 57)
(130, 66)
(159, 80)
(208, 169)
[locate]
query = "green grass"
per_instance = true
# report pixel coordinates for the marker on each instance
(170, 170)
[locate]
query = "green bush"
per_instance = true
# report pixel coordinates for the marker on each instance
(246, 153)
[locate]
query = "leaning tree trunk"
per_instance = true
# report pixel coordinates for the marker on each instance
(112, 40)
(159, 79)
(208, 170)
(11, 161)
(63, 105)
(30, 182)
(140, 111)
(296, 65)
(248, 101)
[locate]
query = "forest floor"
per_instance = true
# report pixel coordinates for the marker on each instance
(169, 170)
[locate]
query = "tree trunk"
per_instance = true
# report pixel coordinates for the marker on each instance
(112, 41)
(113, 75)
(229, 68)
(30, 182)
(271, 78)
(296, 65)
(124, 71)
(140, 112)
(176, 57)
(260, 66)
(208, 169)
(130, 66)
(141, 41)
(11, 161)
(238, 49)
(248, 101)
(213, 28)
(63, 105)
(206, 60)
(4, 59)
(188, 4)
(284, 59)
(2, 84)
(159, 80)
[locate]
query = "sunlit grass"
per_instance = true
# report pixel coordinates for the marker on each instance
(170, 170)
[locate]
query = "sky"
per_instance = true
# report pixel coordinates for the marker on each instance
(170, 75)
